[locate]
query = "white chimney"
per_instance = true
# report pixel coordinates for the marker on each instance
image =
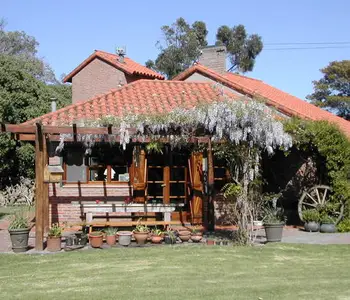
(53, 104)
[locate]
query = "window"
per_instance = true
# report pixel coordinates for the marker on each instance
(106, 163)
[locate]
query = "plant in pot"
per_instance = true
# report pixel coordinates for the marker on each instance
(196, 235)
(141, 233)
(157, 236)
(274, 221)
(19, 233)
(311, 218)
(54, 238)
(111, 235)
(96, 239)
(210, 240)
(170, 237)
(327, 224)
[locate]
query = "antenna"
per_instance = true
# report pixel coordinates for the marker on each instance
(121, 52)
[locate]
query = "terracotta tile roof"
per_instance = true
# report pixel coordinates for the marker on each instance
(282, 101)
(140, 97)
(128, 66)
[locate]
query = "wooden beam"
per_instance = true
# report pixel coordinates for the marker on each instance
(39, 191)
(210, 196)
(46, 190)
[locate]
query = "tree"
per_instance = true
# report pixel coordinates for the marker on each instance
(332, 92)
(24, 47)
(182, 43)
(242, 48)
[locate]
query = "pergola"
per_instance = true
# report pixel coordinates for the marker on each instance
(41, 135)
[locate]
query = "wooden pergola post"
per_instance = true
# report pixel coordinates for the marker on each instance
(40, 149)
(210, 204)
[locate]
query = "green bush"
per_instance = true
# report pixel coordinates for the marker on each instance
(344, 226)
(311, 215)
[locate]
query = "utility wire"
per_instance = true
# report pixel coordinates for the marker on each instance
(309, 43)
(307, 48)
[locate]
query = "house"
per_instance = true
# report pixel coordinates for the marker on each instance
(168, 183)
(103, 71)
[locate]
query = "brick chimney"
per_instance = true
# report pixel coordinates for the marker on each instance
(214, 57)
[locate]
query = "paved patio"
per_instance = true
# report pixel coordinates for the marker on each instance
(290, 235)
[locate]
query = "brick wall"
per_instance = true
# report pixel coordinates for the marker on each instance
(65, 200)
(214, 57)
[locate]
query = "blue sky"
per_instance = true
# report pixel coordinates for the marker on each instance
(69, 31)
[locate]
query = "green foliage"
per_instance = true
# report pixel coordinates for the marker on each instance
(157, 231)
(325, 219)
(327, 144)
(22, 97)
(273, 215)
(111, 231)
(332, 92)
(154, 147)
(344, 226)
(55, 230)
(182, 43)
(242, 48)
(140, 227)
(19, 221)
(231, 189)
(311, 215)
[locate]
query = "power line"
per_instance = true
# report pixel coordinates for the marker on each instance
(308, 43)
(307, 48)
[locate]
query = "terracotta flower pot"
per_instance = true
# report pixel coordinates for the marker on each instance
(53, 244)
(210, 242)
(196, 238)
(141, 237)
(96, 239)
(185, 238)
(156, 239)
(184, 233)
(111, 240)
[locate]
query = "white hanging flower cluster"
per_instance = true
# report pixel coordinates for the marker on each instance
(235, 121)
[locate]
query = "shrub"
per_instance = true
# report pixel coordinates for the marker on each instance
(19, 221)
(311, 215)
(20, 194)
(344, 226)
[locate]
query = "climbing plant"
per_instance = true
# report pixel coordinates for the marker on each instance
(325, 142)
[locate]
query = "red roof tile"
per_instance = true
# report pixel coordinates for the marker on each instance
(141, 96)
(282, 101)
(128, 66)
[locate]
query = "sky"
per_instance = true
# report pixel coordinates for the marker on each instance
(69, 31)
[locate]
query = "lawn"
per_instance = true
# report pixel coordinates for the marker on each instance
(279, 271)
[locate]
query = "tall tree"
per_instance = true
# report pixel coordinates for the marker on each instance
(332, 91)
(241, 47)
(182, 43)
(24, 47)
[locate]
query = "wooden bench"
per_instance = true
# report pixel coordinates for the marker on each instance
(90, 210)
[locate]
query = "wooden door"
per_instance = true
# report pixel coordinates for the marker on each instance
(196, 180)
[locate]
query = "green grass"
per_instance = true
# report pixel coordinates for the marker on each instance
(279, 271)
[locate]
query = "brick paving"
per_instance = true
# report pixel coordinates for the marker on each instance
(290, 235)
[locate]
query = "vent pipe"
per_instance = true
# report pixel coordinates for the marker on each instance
(53, 104)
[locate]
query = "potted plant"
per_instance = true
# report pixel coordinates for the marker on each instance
(327, 224)
(273, 223)
(157, 236)
(311, 218)
(196, 235)
(141, 233)
(210, 240)
(19, 233)
(54, 238)
(111, 235)
(96, 239)
(170, 237)
(124, 238)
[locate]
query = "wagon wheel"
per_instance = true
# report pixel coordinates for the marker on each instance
(317, 197)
